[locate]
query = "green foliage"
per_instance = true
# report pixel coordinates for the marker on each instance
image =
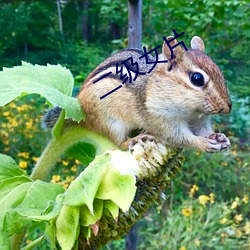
(198, 224)
(19, 198)
(52, 82)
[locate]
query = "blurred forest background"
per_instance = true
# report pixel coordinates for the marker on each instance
(207, 206)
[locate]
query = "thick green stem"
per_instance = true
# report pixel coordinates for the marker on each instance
(57, 147)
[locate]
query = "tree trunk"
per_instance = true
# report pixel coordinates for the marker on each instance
(85, 30)
(59, 16)
(131, 238)
(135, 23)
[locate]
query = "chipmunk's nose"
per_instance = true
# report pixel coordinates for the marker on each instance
(226, 109)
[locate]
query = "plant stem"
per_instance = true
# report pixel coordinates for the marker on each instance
(57, 147)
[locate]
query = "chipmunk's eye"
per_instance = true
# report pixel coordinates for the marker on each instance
(197, 79)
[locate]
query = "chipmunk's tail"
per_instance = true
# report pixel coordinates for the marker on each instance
(50, 117)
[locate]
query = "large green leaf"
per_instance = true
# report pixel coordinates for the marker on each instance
(20, 197)
(67, 226)
(83, 152)
(39, 194)
(53, 82)
(118, 188)
(83, 189)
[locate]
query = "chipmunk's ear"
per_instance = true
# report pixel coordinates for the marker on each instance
(168, 51)
(197, 43)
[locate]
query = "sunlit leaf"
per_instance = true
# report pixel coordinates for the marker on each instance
(83, 189)
(53, 82)
(83, 152)
(118, 188)
(86, 218)
(67, 225)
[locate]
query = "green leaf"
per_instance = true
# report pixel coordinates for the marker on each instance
(118, 188)
(47, 216)
(112, 208)
(9, 168)
(14, 198)
(83, 189)
(58, 127)
(20, 197)
(50, 234)
(14, 223)
(39, 194)
(53, 82)
(86, 231)
(67, 226)
(83, 152)
(86, 218)
(6, 186)
(4, 240)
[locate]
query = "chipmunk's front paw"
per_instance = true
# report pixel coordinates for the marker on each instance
(218, 142)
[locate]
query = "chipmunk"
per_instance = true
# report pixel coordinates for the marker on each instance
(172, 103)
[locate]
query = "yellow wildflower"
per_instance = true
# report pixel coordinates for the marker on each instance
(14, 123)
(197, 242)
(182, 248)
(224, 164)
(23, 107)
(235, 203)
(238, 218)
(23, 164)
(4, 134)
(247, 227)
(65, 185)
(35, 159)
(6, 113)
(187, 211)
(234, 152)
(12, 105)
(245, 199)
(223, 220)
(77, 162)
(70, 178)
(55, 178)
(193, 190)
(29, 124)
(211, 195)
(203, 199)
(73, 168)
(24, 155)
(6, 141)
(65, 163)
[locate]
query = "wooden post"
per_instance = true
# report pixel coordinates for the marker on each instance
(135, 24)
(131, 238)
